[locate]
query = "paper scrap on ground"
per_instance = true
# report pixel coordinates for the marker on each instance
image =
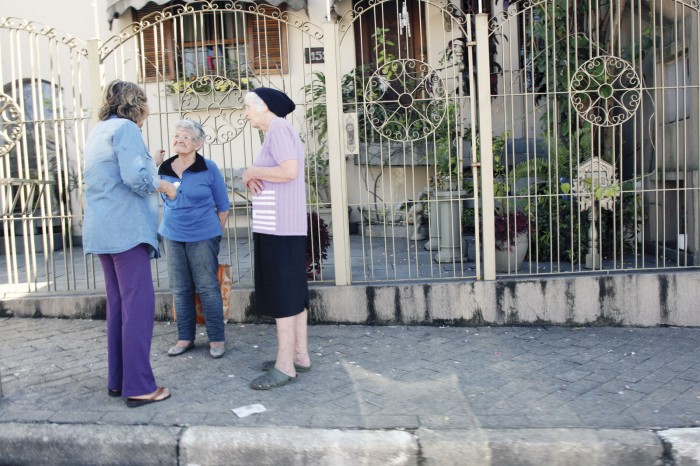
(245, 411)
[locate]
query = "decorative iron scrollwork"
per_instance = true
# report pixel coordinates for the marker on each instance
(216, 102)
(10, 124)
(405, 100)
(605, 91)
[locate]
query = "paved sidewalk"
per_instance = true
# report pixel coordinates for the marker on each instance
(392, 395)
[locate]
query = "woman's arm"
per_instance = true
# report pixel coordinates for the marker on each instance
(253, 177)
(136, 166)
(285, 171)
(223, 216)
(220, 193)
(281, 139)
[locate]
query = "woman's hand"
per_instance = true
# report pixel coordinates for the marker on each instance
(256, 186)
(251, 182)
(167, 188)
(158, 156)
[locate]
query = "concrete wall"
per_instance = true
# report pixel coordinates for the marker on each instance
(634, 300)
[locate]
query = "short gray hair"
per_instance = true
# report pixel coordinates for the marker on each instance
(195, 128)
(255, 100)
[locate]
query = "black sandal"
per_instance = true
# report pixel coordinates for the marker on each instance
(267, 365)
(271, 379)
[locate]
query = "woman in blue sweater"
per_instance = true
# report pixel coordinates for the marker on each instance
(192, 227)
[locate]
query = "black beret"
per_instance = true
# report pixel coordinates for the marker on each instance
(278, 102)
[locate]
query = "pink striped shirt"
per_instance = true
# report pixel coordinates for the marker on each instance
(281, 207)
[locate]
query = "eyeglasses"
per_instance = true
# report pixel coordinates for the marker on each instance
(183, 138)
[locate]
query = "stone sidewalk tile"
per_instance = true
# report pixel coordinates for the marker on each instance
(379, 395)
(363, 375)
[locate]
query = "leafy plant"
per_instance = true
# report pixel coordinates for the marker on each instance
(447, 167)
(234, 78)
(384, 57)
(318, 240)
(317, 178)
(508, 226)
(207, 85)
(562, 36)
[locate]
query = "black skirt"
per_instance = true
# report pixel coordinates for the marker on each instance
(281, 288)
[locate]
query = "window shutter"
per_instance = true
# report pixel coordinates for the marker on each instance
(267, 43)
(155, 46)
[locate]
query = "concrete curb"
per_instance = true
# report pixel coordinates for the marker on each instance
(639, 299)
(63, 444)
(684, 444)
(287, 446)
(542, 447)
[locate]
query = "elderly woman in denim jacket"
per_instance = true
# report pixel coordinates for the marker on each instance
(191, 228)
(120, 226)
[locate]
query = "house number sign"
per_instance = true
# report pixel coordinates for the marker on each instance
(314, 55)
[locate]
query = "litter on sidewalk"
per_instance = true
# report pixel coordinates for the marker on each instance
(245, 411)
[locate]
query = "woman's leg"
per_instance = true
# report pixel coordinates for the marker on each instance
(301, 339)
(133, 271)
(286, 343)
(182, 287)
(203, 260)
(292, 341)
(115, 367)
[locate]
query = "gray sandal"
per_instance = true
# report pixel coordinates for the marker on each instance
(271, 379)
(267, 365)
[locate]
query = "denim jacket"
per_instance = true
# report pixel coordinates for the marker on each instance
(121, 178)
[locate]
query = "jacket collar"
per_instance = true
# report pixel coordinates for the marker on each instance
(166, 168)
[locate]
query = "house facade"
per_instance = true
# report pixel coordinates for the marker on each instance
(428, 125)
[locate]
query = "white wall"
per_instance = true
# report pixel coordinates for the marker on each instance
(75, 17)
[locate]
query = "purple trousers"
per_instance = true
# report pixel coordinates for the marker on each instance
(131, 309)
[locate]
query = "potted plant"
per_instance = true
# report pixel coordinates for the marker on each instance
(511, 231)
(209, 91)
(447, 216)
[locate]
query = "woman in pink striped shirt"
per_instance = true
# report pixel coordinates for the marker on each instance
(279, 234)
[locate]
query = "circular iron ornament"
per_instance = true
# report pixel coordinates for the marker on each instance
(605, 91)
(214, 101)
(10, 124)
(212, 90)
(405, 100)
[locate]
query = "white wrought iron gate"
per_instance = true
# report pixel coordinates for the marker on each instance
(197, 61)
(596, 132)
(43, 119)
(407, 116)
